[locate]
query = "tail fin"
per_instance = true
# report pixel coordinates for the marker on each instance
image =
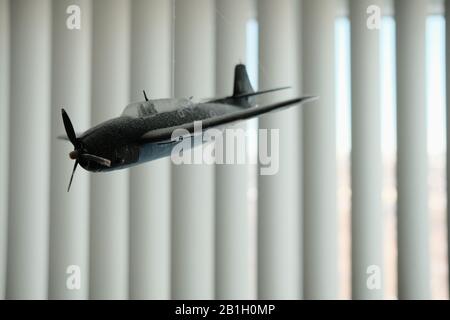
(243, 93)
(242, 86)
(242, 83)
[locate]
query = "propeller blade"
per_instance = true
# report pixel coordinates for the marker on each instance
(69, 128)
(71, 177)
(99, 160)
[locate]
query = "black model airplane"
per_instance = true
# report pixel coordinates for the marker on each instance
(143, 132)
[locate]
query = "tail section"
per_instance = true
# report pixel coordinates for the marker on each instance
(242, 83)
(242, 87)
(243, 93)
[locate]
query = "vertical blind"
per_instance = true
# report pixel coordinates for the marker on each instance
(233, 250)
(412, 151)
(278, 206)
(149, 272)
(366, 159)
(319, 152)
(161, 230)
(69, 212)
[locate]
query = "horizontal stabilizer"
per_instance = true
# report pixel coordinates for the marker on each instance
(245, 95)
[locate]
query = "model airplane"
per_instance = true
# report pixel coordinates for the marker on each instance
(144, 130)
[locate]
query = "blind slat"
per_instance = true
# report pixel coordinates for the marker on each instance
(412, 171)
(193, 185)
(447, 46)
(319, 152)
(232, 248)
(151, 66)
(108, 274)
(69, 211)
(27, 270)
(279, 214)
(4, 134)
(366, 160)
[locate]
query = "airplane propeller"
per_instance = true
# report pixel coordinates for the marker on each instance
(78, 153)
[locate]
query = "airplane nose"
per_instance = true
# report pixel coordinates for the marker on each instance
(73, 155)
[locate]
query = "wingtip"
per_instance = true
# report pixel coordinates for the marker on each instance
(310, 98)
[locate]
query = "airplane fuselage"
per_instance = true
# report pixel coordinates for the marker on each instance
(115, 139)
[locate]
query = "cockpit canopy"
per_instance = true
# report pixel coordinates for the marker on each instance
(148, 108)
(140, 109)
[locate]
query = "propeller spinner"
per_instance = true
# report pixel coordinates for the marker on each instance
(78, 153)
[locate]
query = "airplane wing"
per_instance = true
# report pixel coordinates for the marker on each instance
(165, 134)
(246, 95)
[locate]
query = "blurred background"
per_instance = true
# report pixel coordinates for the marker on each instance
(356, 211)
